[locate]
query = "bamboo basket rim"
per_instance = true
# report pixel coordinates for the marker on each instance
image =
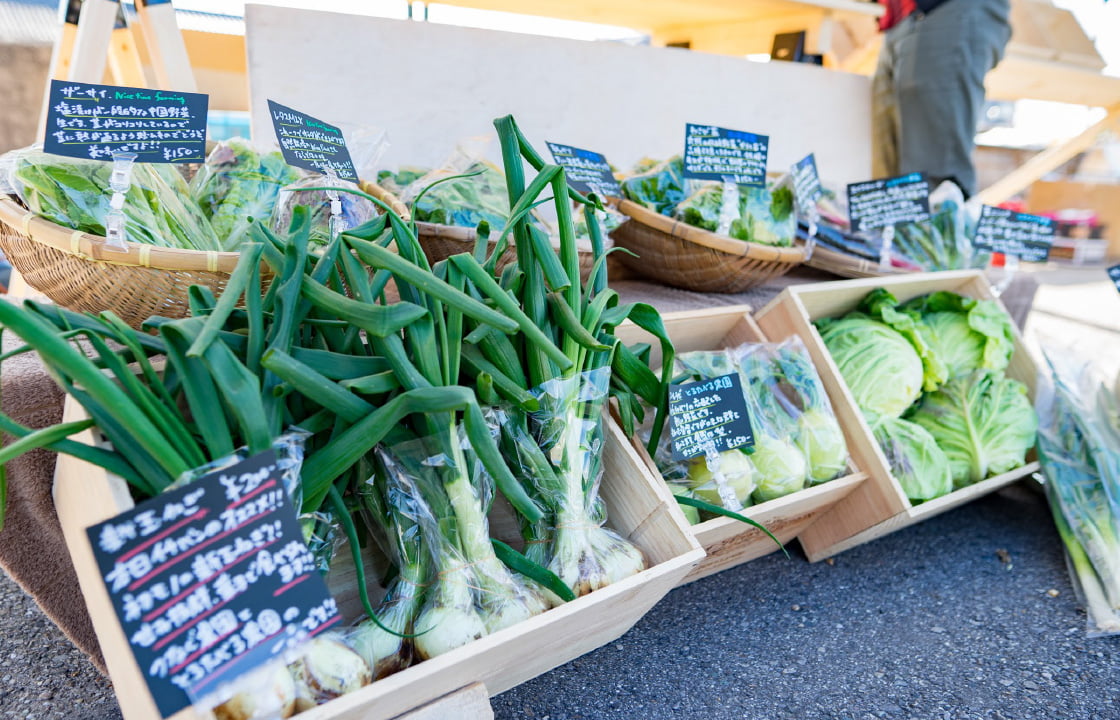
(697, 236)
(96, 248)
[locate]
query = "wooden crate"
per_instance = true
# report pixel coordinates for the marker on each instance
(640, 508)
(729, 542)
(879, 506)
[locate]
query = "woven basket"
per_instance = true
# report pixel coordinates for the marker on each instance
(687, 257)
(844, 265)
(82, 272)
(440, 242)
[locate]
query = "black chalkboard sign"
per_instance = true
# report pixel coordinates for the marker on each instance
(95, 121)
(311, 144)
(211, 580)
(806, 182)
(1114, 274)
(587, 172)
(879, 203)
(715, 153)
(709, 413)
(1027, 237)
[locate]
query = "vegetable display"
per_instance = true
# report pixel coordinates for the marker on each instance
(1079, 450)
(928, 375)
(763, 215)
(798, 440)
(477, 382)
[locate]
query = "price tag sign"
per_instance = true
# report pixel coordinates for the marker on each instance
(709, 413)
(311, 144)
(211, 580)
(1114, 275)
(715, 153)
(94, 121)
(881, 203)
(587, 172)
(806, 182)
(1027, 237)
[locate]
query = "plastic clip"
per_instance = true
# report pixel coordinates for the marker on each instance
(120, 180)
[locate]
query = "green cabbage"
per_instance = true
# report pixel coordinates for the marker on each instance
(878, 363)
(964, 333)
(822, 442)
(919, 465)
(736, 470)
(983, 421)
(780, 468)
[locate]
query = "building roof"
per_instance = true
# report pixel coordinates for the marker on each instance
(35, 22)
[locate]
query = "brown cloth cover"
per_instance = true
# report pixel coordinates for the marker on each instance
(33, 551)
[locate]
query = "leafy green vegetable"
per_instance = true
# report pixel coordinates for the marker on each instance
(880, 366)
(465, 201)
(737, 470)
(75, 193)
(965, 334)
(919, 465)
(238, 185)
(660, 188)
(781, 468)
(983, 421)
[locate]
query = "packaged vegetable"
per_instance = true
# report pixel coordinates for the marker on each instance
(75, 193)
(919, 465)
(237, 185)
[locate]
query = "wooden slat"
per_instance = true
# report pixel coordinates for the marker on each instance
(1021, 178)
(166, 47)
(470, 703)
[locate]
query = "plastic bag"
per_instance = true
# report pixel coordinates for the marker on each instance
(325, 668)
(798, 440)
(660, 188)
(237, 185)
(462, 202)
(75, 193)
(334, 211)
(449, 493)
(1079, 450)
(289, 459)
(562, 462)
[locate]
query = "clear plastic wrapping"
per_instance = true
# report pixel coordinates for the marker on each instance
(237, 185)
(462, 201)
(798, 440)
(562, 463)
(157, 207)
(759, 214)
(1079, 449)
(440, 495)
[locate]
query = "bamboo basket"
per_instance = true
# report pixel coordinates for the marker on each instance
(440, 242)
(846, 266)
(683, 256)
(84, 273)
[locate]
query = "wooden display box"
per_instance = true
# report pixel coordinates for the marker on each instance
(639, 507)
(879, 506)
(729, 542)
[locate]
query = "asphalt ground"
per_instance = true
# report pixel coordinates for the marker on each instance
(968, 615)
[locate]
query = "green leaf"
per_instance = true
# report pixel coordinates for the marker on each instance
(717, 510)
(537, 573)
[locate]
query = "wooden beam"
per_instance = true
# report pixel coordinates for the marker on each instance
(125, 65)
(91, 45)
(165, 45)
(470, 703)
(1046, 161)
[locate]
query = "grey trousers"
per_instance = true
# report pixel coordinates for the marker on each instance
(928, 90)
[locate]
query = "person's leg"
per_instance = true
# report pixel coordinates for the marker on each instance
(884, 114)
(940, 77)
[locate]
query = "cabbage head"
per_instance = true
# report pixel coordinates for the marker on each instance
(822, 441)
(983, 421)
(780, 468)
(919, 465)
(738, 472)
(963, 333)
(880, 366)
